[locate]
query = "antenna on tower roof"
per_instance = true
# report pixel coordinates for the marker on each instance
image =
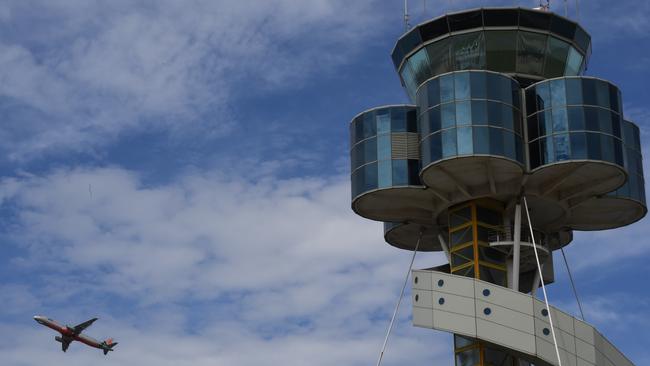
(406, 16)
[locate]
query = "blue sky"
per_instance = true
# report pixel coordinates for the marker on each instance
(180, 170)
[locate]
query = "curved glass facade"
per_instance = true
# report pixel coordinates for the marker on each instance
(470, 113)
(634, 187)
(529, 54)
(384, 151)
(574, 119)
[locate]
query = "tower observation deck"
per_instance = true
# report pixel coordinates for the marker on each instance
(502, 126)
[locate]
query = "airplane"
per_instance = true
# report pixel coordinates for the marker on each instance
(69, 334)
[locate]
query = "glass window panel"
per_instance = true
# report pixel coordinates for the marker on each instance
(562, 151)
(509, 145)
(479, 112)
(464, 139)
(439, 56)
(435, 28)
(448, 115)
(559, 120)
(614, 96)
(531, 106)
(563, 27)
(616, 124)
(534, 19)
(607, 148)
(433, 92)
(602, 93)
(478, 84)
(369, 125)
(495, 357)
(589, 91)
(481, 140)
(425, 151)
(573, 91)
(496, 141)
(501, 50)
(398, 116)
(383, 122)
(370, 150)
(460, 341)
(574, 63)
(546, 150)
(370, 176)
(533, 131)
(449, 143)
(414, 171)
(519, 150)
(545, 123)
(516, 96)
(435, 152)
(385, 174)
(461, 85)
(463, 113)
(420, 66)
(383, 147)
(462, 236)
(468, 358)
(411, 121)
(582, 38)
(446, 88)
(605, 121)
(591, 119)
(618, 152)
(593, 146)
(516, 117)
(400, 172)
(558, 93)
(409, 80)
(465, 20)
(543, 96)
(434, 120)
(556, 57)
(468, 51)
(533, 152)
(531, 51)
(576, 118)
(357, 156)
(495, 113)
(507, 116)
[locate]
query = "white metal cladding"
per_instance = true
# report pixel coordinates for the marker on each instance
(498, 315)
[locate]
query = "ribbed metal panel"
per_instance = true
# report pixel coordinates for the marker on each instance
(399, 145)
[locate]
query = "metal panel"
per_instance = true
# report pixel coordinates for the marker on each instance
(585, 351)
(505, 336)
(452, 284)
(584, 331)
(421, 279)
(582, 362)
(546, 351)
(454, 303)
(565, 340)
(422, 317)
(504, 297)
(422, 298)
(612, 354)
(561, 319)
(505, 317)
(455, 323)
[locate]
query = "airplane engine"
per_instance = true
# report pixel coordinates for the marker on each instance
(58, 339)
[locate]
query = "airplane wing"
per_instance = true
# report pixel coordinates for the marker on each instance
(80, 327)
(65, 343)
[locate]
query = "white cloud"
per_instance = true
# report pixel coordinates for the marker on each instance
(251, 272)
(84, 72)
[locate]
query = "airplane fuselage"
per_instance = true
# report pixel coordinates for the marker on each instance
(68, 332)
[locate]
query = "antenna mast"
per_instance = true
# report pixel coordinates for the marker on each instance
(406, 16)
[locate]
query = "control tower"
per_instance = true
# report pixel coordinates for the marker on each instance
(504, 151)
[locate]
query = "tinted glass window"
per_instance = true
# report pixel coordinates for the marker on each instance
(464, 140)
(593, 146)
(463, 113)
(510, 145)
(469, 51)
(574, 91)
(500, 17)
(495, 115)
(398, 117)
(400, 173)
(439, 56)
(433, 92)
(533, 131)
(478, 85)
(435, 152)
(578, 146)
(531, 51)
(534, 19)
(501, 50)
(370, 177)
(556, 57)
(420, 66)
(411, 121)
(434, 29)
(558, 93)
(448, 115)
(410, 41)
(446, 88)
(481, 140)
(602, 93)
(543, 96)
(614, 98)
(591, 119)
(461, 86)
(562, 151)
(385, 174)
(434, 120)
(560, 120)
(576, 118)
(582, 39)
(574, 62)
(479, 112)
(449, 143)
(383, 122)
(466, 20)
(409, 80)
(383, 147)
(533, 152)
(563, 27)
(507, 116)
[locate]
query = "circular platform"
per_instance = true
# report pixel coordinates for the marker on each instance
(406, 235)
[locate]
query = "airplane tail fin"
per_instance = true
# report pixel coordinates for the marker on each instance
(108, 345)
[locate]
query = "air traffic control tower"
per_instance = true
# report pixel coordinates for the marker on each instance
(503, 129)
